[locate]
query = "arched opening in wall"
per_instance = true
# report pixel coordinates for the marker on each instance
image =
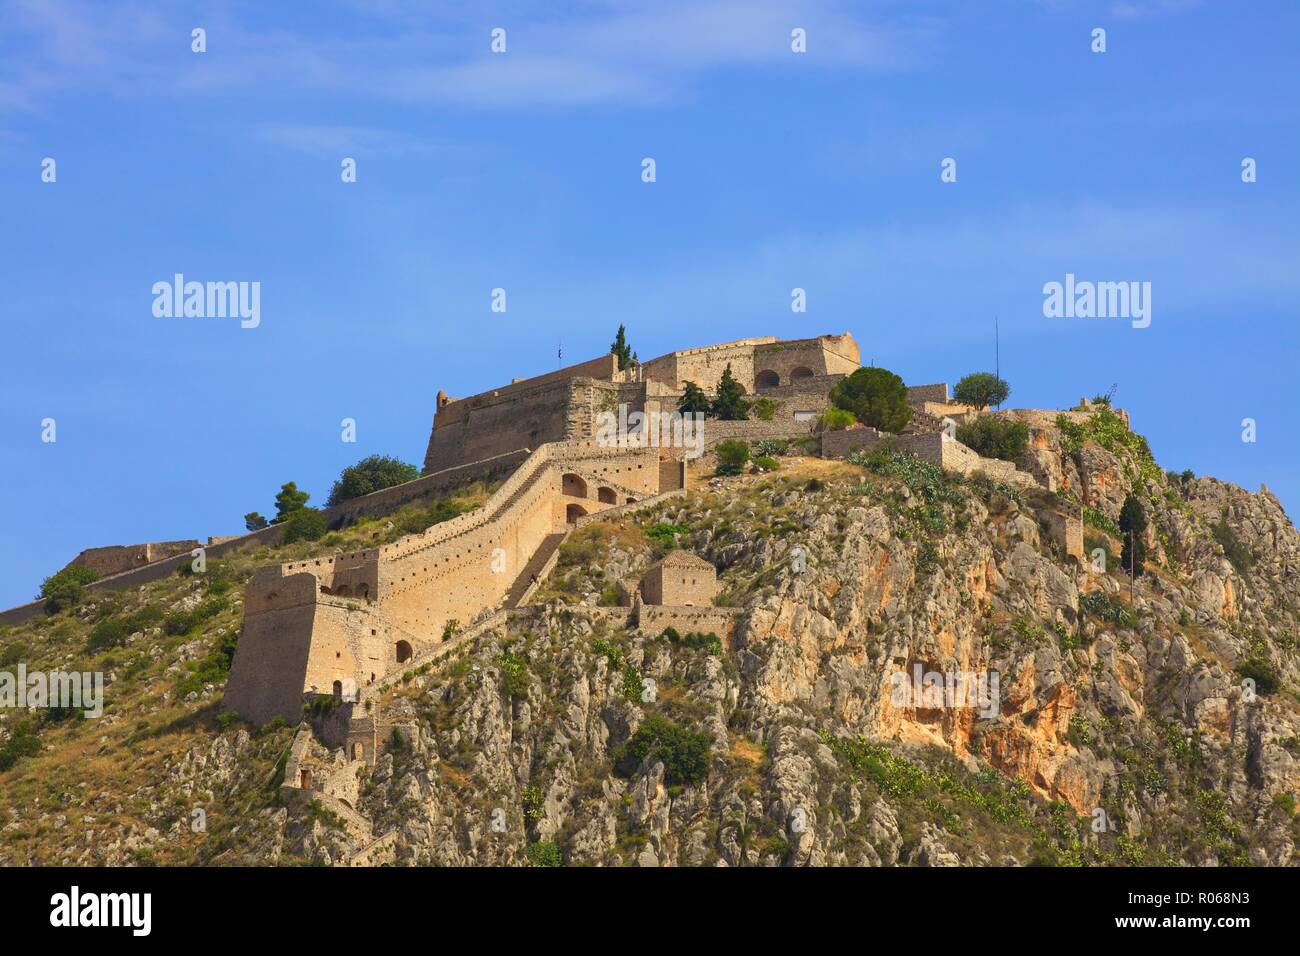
(573, 512)
(342, 591)
(573, 485)
(304, 779)
(338, 690)
(801, 372)
(403, 652)
(767, 379)
(358, 752)
(631, 500)
(363, 591)
(608, 495)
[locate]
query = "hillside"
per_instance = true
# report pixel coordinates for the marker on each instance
(1124, 734)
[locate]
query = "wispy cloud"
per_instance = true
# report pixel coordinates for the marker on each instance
(342, 140)
(593, 52)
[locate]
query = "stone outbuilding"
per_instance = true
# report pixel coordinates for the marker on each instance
(681, 579)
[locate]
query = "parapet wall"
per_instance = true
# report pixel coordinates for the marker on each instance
(933, 447)
(115, 559)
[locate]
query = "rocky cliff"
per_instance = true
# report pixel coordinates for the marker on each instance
(1133, 720)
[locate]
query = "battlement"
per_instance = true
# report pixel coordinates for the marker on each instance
(339, 625)
(562, 405)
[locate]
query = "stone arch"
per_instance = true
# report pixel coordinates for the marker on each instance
(358, 752)
(630, 500)
(607, 495)
(403, 651)
(338, 690)
(304, 779)
(573, 485)
(767, 379)
(573, 512)
(363, 591)
(800, 372)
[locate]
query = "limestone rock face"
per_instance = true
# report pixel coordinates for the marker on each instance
(917, 676)
(1117, 701)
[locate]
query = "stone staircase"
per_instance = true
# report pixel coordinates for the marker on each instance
(536, 566)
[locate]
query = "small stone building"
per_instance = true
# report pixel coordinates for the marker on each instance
(681, 579)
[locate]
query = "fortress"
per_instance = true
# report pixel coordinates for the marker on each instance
(345, 625)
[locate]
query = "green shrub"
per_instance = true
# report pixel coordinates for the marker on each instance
(544, 853)
(1097, 518)
(766, 463)
(1107, 609)
(440, 511)
(182, 622)
(1234, 549)
(774, 447)
(370, 475)
(22, 742)
(11, 654)
(684, 753)
(876, 397)
(304, 524)
(254, 521)
(837, 419)
(994, 436)
(66, 588)
(732, 455)
(514, 674)
(710, 642)
(113, 631)
(664, 533)
(764, 409)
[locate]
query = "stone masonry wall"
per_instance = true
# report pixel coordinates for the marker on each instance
(411, 590)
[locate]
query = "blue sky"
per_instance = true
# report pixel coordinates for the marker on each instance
(522, 171)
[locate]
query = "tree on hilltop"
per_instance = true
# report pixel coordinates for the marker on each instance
(369, 475)
(254, 521)
(289, 500)
(876, 397)
(981, 389)
(621, 349)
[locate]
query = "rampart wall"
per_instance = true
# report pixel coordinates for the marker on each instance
(374, 610)
(117, 558)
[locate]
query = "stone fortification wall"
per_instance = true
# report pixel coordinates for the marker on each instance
(380, 502)
(372, 611)
(117, 558)
(704, 366)
(931, 446)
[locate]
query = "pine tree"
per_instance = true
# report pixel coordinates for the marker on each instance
(730, 404)
(289, 500)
